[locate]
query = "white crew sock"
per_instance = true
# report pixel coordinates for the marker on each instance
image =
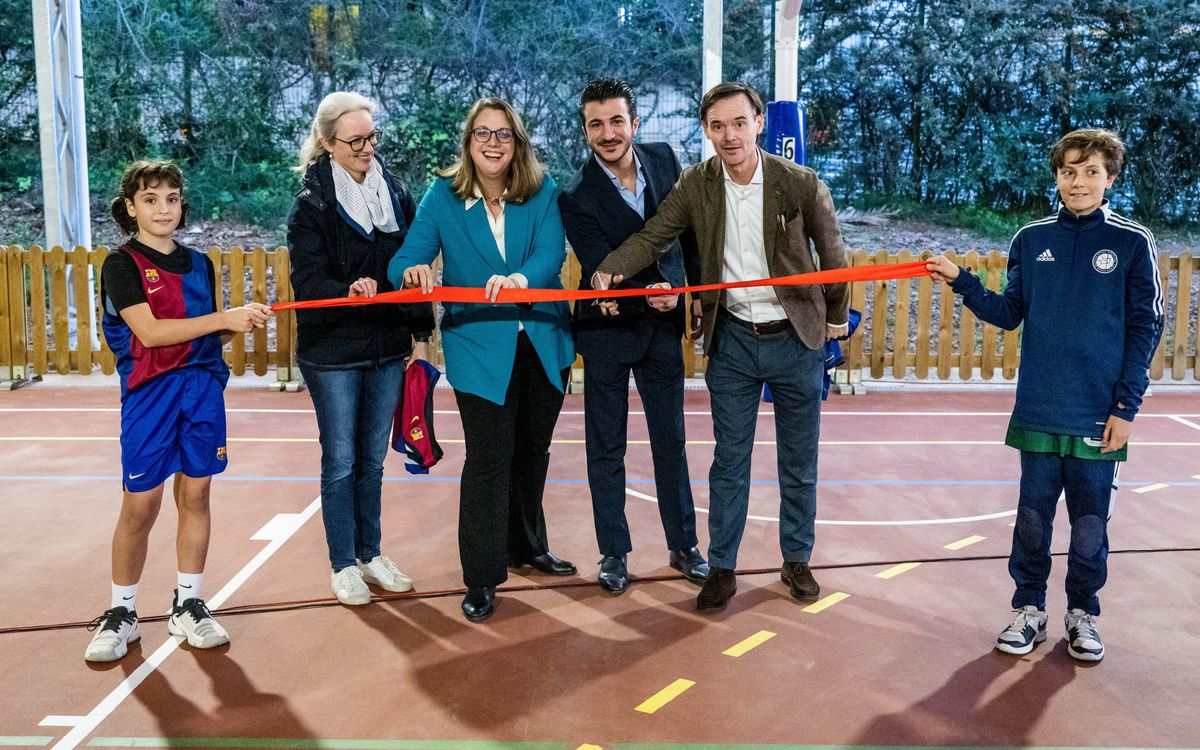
(124, 596)
(189, 586)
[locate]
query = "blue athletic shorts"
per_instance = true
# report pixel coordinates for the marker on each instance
(174, 422)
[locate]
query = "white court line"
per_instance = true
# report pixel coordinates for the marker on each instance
(701, 413)
(114, 699)
(576, 441)
(917, 522)
(1179, 418)
(60, 721)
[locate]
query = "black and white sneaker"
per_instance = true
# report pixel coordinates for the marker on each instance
(193, 621)
(115, 630)
(1027, 629)
(1083, 640)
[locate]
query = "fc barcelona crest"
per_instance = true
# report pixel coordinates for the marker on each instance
(416, 435)
(152, 275)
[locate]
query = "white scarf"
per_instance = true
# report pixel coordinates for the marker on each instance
(366, 205)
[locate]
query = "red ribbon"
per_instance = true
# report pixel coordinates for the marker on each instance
(881, 272)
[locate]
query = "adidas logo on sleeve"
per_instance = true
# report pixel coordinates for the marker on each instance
(1046, 255)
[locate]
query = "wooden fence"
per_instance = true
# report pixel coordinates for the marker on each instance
(912, 328)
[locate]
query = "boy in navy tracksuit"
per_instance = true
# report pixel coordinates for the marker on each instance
(1085, 283)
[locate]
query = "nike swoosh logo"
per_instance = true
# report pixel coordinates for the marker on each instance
(135, 476)
(184, 586)
(152, 290)
(126, 598)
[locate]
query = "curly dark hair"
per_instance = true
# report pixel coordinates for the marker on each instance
(142, 174)
(1090, 141)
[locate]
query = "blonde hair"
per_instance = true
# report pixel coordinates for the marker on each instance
(324, 124)
(525, 172)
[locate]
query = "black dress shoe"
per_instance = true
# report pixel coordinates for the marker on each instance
(717, 591)
(614, 577)
(550, 564)
(691, 563)
(800, 581)
(479, 603)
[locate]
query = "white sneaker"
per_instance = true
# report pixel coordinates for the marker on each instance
(1027, 629)
(349, 588)
(115, 630)
(382, 572)
(1083, 640)
(193, 621)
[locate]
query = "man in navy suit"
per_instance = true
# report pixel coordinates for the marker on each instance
(619, 188)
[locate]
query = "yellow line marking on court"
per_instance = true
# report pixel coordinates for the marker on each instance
(1150, 488)
(590, 747)
(826, 603)
(896, 570)
(965, 542)
(664, 696)
(757, 639)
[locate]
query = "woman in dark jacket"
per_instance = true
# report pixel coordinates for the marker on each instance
(349, 218)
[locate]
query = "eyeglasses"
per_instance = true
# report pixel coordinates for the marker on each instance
(359, 143)
(483, 135)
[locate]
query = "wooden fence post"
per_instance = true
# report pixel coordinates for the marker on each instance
(12, 319)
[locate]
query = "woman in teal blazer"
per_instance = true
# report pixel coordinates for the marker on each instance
(493, 216)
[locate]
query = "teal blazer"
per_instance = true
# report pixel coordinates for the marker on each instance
(480, 340)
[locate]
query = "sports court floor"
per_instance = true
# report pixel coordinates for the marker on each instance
(916, 500)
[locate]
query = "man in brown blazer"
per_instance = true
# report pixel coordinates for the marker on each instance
(755, 216)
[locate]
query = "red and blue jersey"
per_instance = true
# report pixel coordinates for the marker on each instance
(170, 295)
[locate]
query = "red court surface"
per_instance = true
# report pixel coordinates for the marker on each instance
(901, 660)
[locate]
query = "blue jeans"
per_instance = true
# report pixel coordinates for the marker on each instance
(354, 415)
(740, 362)
(1090, 486)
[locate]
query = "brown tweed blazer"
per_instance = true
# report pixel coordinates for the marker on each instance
(800, 234)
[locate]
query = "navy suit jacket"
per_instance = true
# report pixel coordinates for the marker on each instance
(597, 220)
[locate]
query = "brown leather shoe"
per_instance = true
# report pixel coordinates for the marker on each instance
(799, 578)
(717, 591)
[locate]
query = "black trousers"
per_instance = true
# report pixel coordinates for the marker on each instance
(504, 476)
(659, 379)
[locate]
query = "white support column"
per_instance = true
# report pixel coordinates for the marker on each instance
(58, 47)
(787, 47)
(714, 29)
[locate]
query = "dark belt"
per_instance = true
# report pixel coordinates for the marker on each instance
(762, 329)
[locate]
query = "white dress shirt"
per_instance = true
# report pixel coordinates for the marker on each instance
(496, 223)
(745, 254)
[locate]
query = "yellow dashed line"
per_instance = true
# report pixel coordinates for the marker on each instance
(1150, 488)
(826, 603)
(757, 639)
(965, 542)
(664, 696)
(896, 570)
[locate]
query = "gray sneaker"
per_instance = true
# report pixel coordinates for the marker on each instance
(1083, 640)
(1026, 630)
